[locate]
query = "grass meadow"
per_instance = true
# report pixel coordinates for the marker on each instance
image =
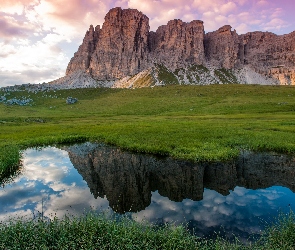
(198, 123)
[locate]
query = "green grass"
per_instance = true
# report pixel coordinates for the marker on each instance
(199, 123)
(93, 231)
(9, 162)
(281, 234)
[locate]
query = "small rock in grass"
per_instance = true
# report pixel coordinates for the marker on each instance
(71, 100)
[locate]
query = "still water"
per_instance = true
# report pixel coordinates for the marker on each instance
(237, 197)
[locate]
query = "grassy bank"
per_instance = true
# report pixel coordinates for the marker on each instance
(9, 162)
(200, 123)
(96, 232)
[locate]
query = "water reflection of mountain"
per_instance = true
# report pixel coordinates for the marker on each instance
(252, 171)
(127, 179)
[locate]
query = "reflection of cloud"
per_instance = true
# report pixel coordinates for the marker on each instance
(24, 214)
(72, 200)
(240, 211)
(54, 164)
(15, 193)
(43, 187)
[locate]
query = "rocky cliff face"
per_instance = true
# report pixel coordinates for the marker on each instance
(178, 44)
(124, 47)
(81, 59)
(118, 49)
(221, 48)
(269, 54)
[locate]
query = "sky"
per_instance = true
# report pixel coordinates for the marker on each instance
(39, 37)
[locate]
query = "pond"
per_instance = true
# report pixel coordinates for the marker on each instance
(238, 197)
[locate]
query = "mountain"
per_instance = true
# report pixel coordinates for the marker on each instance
(125, 53)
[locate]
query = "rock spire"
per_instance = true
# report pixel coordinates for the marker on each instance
(125, 46)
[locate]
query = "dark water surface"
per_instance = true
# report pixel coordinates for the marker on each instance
(236, 197)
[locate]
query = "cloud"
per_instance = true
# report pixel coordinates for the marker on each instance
(241, 2)
(242, 28)
(16, 6)
(53, 159)
(228, 7)
(239, 212)
(43, 186)
(69, 19)
(10, 78)
(171, 10)
(6, 50)
(278, 12)
(145, 5)
(13, 28)
(27, 61)
(262, 3)
(275, 24)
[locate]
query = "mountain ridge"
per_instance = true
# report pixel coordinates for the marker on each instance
(114, 54)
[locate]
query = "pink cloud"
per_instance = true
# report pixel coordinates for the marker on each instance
(262, 3)
(146, 6)
(244, 16)
(16, 6)
(75, 15)
(275, 24)
(73, 12)
(11, 28)
(242, 28)
(69, 17)
(82, 13)
(241, 2)
(5, 3)
(277, 12)
(205, 6)
(228, 7)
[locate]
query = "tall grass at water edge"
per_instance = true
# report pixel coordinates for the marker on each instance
(93, 231)
(9, 162)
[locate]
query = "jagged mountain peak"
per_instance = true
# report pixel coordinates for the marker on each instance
(124, 46)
